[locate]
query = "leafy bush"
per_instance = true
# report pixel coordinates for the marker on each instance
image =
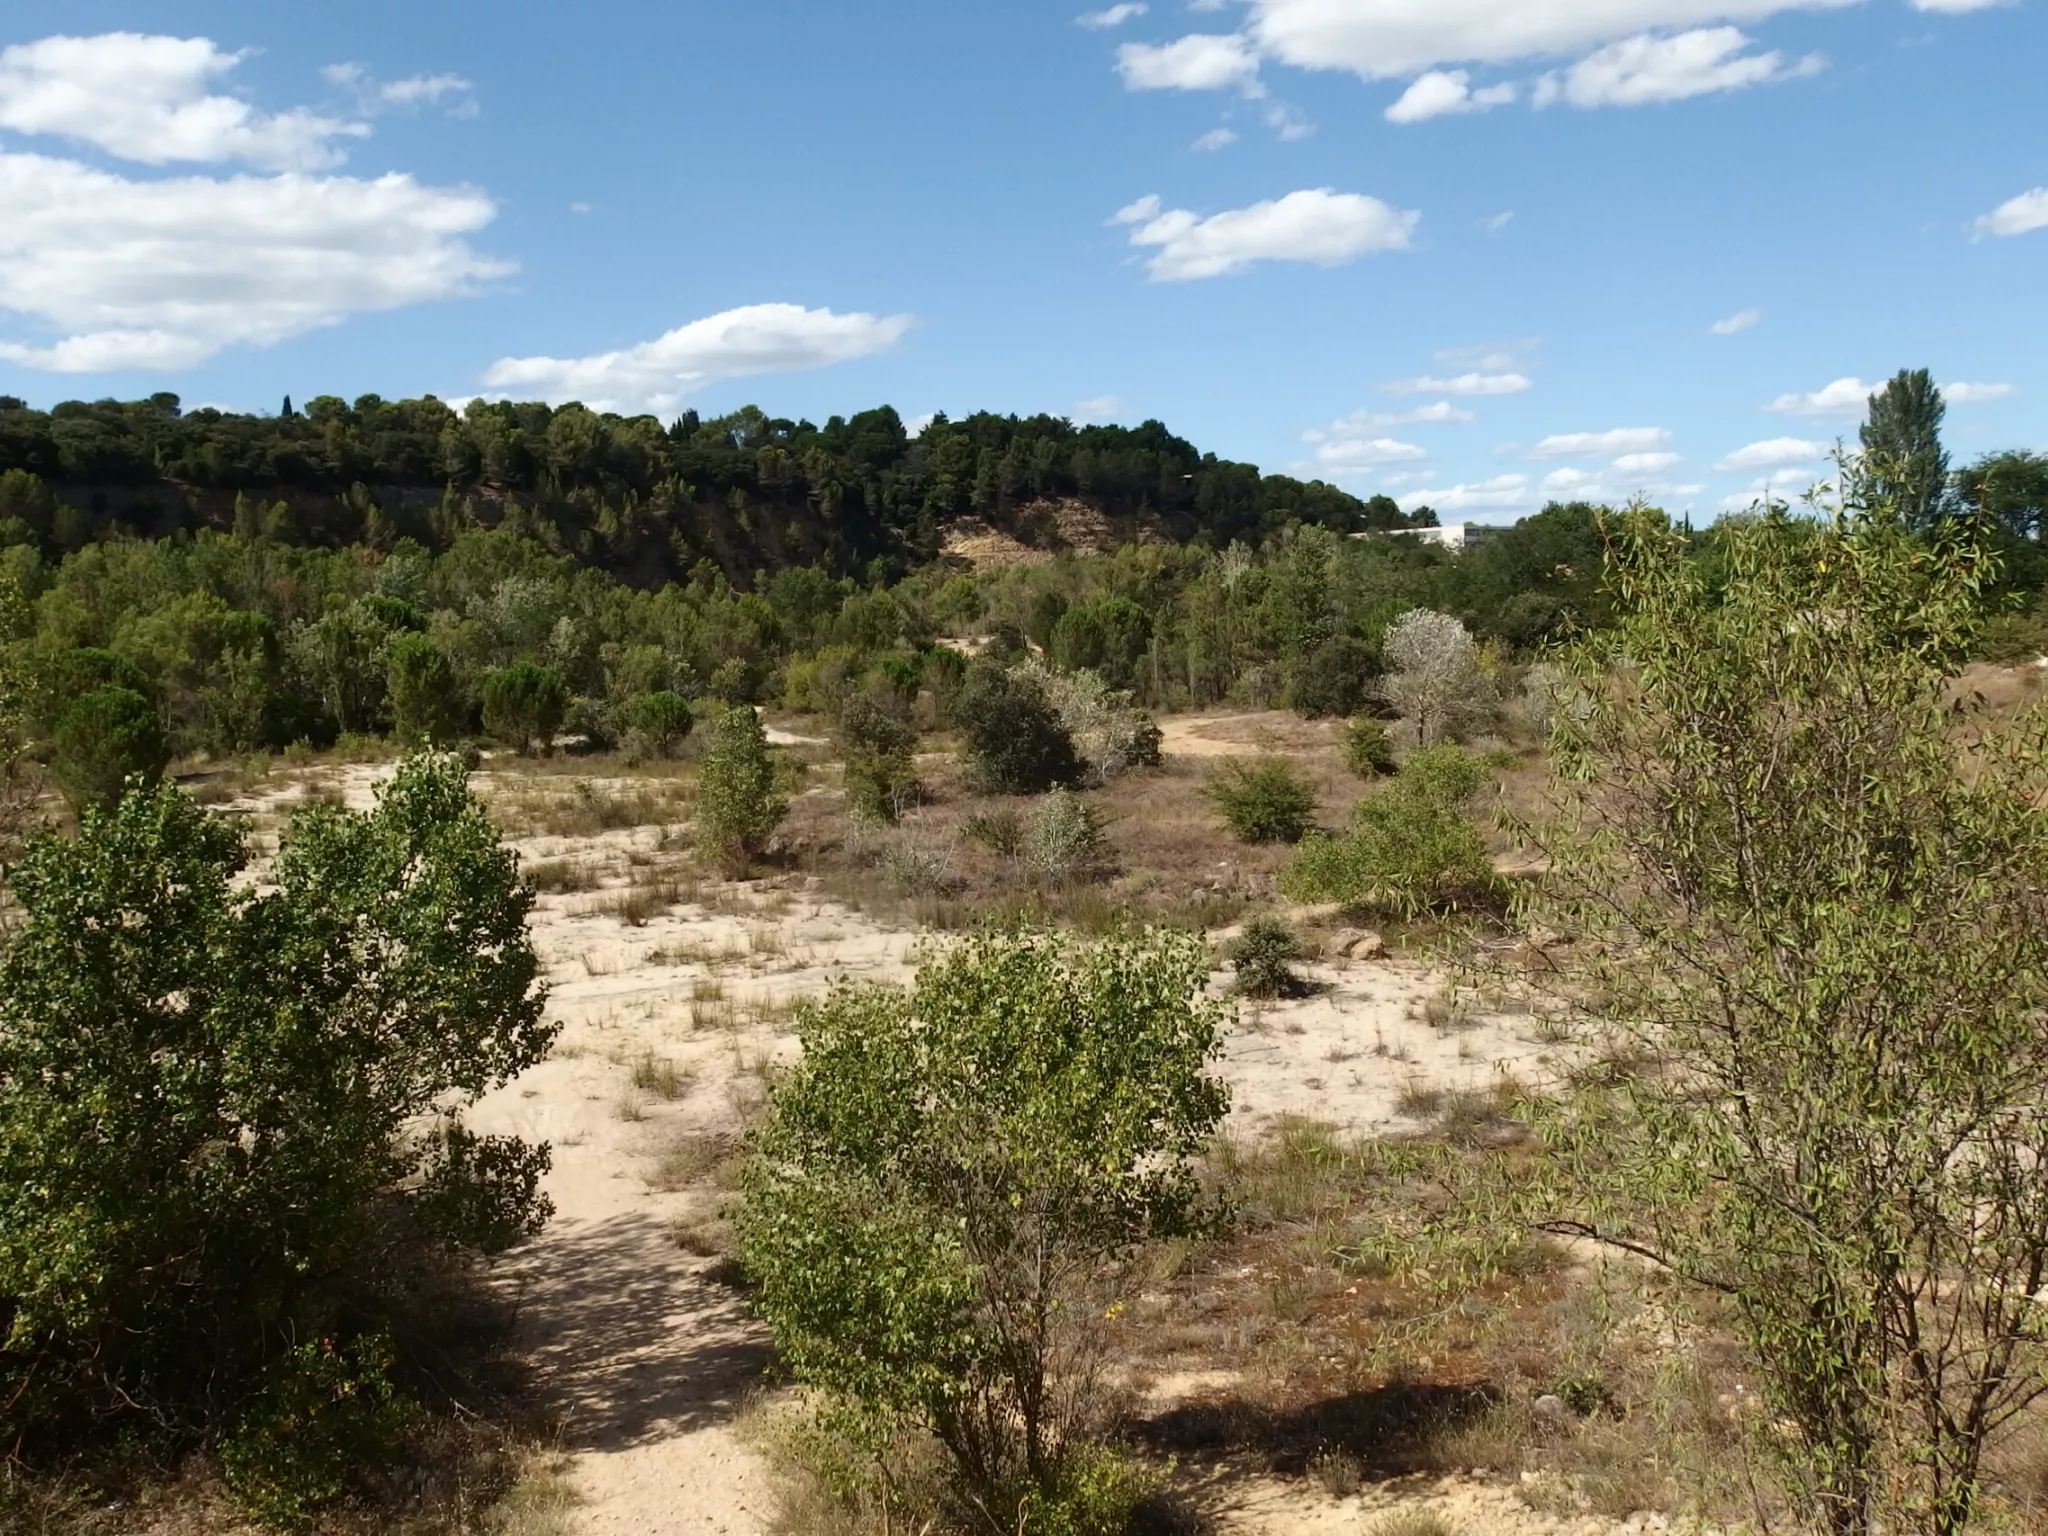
(1266, 801)
(1433, 677)
(1368, 748)
(425, 696)
(935, 1206)
(219, 1103)
(1000, 831)
(739, 803)
(657, 724)
(1335, 678)
(1064, 839)
(1410, 849)
(1110, 733)
(1016, 741)
(323, 1413)
(524, 705)
(103, 738)
(880, 746)
(1263, 957)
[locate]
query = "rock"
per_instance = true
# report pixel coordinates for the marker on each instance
(1552, 1409)
(1358, 944)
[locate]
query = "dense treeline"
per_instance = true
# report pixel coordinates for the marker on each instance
(640, 499)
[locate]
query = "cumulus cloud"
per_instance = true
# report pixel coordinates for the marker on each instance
(1474, 496)
(1323, 227)
(1781, 485)
(1115, 16)
(658, 374)
(1439, 93)
(1640, 71)
(1198, 62)
(1342, 452)
(1461, 384)
(1956, 7)
(1572, 445)
(1742, 320)
(164, 273)
(151, 99)
(1644, 463)
(373, 95)
(1960, 393)
(1774, 452)
(1214, 139)
(1437, 413)
(2016, 215)
(1101, 408)
(1844, 397)
(1393, 39)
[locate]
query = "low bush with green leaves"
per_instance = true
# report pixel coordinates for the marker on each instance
(1411, 848)
(935, 1209)
(1016, 743)
(880, 745)
(228, 1111)
(739, 799)
(1368, 748)
(657, 724)
(1263, 957)
(105, 738)
(1267, 801)
(1063, 840)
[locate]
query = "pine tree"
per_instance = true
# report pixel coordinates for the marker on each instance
(1902, 452)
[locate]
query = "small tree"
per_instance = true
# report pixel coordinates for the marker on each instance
(427, 705)
(1336, 678)
(1063, 840)
(1368, 749)
(1267, 801)
(935, 1206)
(225, 1109)
(1902, 453)
(1806, 877)
(524, 705)
(1433, 677)
(880, 745)
(739, 804)
(1263, 957)
(657, 724)
(104, 738)
(1016, 741)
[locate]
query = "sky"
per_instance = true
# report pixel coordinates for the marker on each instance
(1475, 254)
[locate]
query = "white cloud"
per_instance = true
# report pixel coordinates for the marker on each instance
(1644, 463)
(1639, 71)
(1461, 384)
(1844, 397)
(1773, 452)
(1214, 139)
(148, 99)
(1961, 393)
(374, 95)
(163, 274)
(1344, 452)
(1494, 223)
(1956, 7)
(1493, 357)
(1437, 413)
(1392, 39)
(913, 426)
(1288, 125)
(1101, 408)
(1442, 92)
(1482, 495)
(1115, 16)
(2016, 215)
(1323, 227)
(656, 375)
(1572, 445)
(1198, 62)
(1735, 324)
(1782, 485)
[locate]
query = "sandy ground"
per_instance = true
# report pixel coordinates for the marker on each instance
(647, 1357)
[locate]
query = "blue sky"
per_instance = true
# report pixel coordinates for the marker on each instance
(1472, 252)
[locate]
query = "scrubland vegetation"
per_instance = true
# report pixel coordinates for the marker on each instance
(1730, 838)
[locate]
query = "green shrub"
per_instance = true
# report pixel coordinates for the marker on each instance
(1410, 849)
(1368, 748)
(1335, 678)
(524, 705)
(657, 724)
(880, 746)
(324, 1412)
(1016, 742)
(1263, 957)
(103, 738)
(938, 1204)
(425, 696)
(739, 803)
(1000, 831)
(1266, 801)
(220, 1103)
(1063, 840)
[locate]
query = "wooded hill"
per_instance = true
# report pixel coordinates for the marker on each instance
(639, 499)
